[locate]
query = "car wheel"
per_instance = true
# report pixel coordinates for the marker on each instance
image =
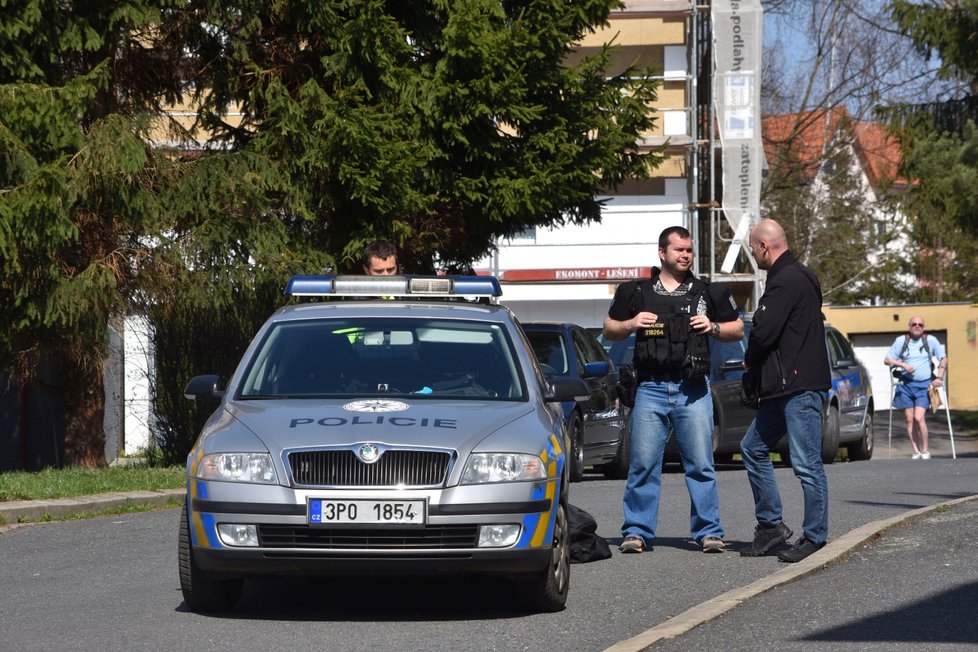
(863, 449)
(577, 449)
(547, 590)
(830, 436)
(617, 468)
(201, 593)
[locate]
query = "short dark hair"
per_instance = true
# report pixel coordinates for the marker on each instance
(682, 232)
(381, 249)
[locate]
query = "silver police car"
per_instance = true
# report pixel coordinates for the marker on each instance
(391, 428)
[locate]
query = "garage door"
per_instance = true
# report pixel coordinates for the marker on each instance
(871, 348)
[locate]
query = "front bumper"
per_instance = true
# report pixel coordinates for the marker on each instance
(446, 544)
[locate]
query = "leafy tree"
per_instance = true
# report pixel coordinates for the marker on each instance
(942, 132)
(846, 57)
(441, 124)
(93, 220)
(946, 196)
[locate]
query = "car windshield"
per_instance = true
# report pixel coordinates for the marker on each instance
(385, 357)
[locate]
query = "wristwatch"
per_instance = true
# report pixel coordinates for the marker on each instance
(716, 329)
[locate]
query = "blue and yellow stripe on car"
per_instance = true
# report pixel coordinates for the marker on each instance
(203, 529)
(538, 531)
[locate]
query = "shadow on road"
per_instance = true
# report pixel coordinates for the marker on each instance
(947, 617)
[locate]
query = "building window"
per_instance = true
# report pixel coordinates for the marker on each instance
(526, 236)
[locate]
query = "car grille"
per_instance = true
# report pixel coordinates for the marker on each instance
(428, 537)
(342, 468)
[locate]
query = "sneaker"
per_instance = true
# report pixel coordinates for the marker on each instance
(925, 455)
(917, 456)
(802, 548)
(712, 544)
(766, 538)
(632, 545)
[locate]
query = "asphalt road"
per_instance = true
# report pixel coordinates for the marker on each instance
(111, 583)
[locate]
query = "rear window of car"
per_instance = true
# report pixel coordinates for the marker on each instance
(384, 357)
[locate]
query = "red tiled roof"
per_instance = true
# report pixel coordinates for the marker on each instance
(804, 135)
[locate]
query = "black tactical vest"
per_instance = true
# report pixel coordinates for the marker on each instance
(669, 347)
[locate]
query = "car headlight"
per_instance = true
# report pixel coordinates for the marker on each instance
(237, 467)
(483, 468)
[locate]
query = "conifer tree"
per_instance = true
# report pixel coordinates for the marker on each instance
(442, 124)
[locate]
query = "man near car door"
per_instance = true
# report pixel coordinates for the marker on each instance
(673, 314)
(786, 356)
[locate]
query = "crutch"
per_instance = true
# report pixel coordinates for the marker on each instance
(942, 392)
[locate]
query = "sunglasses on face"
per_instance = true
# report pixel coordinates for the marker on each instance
(916, 323)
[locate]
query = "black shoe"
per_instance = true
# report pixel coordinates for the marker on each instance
(766, 538)
(802, 548)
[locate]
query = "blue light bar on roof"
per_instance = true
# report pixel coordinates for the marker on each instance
(393, 286)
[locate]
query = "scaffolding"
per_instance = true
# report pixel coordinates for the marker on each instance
(716, 236)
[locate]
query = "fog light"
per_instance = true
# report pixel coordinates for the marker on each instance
(498, 536)
(236, 534)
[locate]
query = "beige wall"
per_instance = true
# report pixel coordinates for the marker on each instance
(640, 30)
(957, 320)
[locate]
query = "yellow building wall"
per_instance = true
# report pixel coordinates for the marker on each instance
(642, 31)
(958, 320)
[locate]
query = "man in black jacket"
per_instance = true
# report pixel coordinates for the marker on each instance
(786, 356)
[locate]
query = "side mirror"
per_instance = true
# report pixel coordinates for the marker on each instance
(565, 388)
(204, 388)
(596, 369)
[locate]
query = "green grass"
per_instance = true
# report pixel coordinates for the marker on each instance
(70, 482)
(963, 419)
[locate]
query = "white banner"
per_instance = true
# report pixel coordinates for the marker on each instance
(737, 40)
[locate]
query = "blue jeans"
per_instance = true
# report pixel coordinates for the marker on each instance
(688, 408)
(800, 415)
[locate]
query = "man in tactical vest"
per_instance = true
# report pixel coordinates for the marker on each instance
(673, 314)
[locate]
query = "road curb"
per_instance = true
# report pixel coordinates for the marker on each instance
(14, 512)
(836, 551)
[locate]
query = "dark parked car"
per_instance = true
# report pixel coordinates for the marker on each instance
(847, 415)
(598, 427)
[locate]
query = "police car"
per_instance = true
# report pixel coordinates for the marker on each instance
(400, 430)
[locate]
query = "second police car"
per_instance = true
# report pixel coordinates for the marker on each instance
(403, 436)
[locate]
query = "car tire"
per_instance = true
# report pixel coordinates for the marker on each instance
(617, 468)
(577, 448)
(830, 436)
(546, 591)
(863, 449)
(201, 593)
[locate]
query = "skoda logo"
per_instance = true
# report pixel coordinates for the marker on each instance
(376, 405)
(368, 453)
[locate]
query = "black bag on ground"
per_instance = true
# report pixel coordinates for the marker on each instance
(585, 544)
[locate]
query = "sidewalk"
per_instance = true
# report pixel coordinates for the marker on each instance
(17, 511)
(900, 591)
(895, 444)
